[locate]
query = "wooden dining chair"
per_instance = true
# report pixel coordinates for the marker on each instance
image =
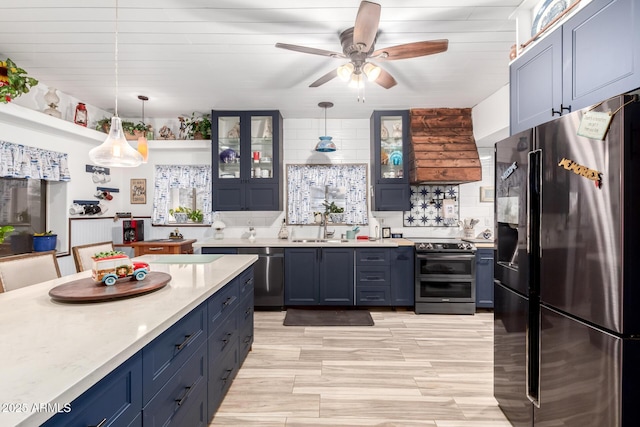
(18, 271)
(82, 254)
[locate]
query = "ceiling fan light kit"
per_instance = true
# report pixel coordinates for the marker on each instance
(358, 45)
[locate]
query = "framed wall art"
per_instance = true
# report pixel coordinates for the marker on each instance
(138, 191)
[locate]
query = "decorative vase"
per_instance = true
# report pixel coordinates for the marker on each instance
(52, 100)
(180, 217)
(45, 243)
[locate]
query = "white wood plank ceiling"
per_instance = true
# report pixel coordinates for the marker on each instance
(198, 55)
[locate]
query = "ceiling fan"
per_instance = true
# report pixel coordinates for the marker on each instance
(358, 45)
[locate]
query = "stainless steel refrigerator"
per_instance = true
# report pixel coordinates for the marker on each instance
(567, 288)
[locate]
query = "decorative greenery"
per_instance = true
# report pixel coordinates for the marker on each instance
(4, 231)
(198, 125)
(46, 233)
(195, 215)
(332, 207)
(107, 254)
(128, 127)
(13, 81)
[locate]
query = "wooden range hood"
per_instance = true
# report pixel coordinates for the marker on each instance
(443, 149)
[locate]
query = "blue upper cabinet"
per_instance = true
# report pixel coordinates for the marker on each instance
(246, 157)
(594, 55)
(389, 162)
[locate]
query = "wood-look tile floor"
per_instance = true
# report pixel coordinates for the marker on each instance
(407, 370)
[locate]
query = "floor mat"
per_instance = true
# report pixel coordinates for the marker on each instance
(327, 317)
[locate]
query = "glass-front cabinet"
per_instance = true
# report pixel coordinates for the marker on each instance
(389, 164)
(246, 154)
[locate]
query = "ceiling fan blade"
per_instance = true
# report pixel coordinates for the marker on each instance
(327, 77)
(366, 27)
(386, 80)
(411, 50)
(311, 50)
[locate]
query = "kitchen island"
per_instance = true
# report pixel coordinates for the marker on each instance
(54, 352)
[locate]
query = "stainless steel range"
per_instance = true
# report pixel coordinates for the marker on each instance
(445, 276)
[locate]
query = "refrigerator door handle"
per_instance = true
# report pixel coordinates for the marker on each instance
(533, 354)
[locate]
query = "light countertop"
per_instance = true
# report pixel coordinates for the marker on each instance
(53, 352)
(290, 243)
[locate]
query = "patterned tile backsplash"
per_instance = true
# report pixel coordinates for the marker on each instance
(433, 206)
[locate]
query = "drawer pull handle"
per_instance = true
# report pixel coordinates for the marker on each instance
(187, 338)
(248, 338)
(227, 302)
(227, 375)
(101, 423)
(247, 312)
(225, 340)
(157, 248)
(187, 391)
(374, 278)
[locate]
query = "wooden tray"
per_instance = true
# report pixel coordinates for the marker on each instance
(86, 290)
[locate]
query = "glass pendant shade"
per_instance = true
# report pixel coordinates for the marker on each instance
(344, 71)
(371, 71)
(325, 145)
(357, 82)
(143, 148)
(115, 151)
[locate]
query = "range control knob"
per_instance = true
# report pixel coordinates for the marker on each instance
(429, 245)
(462, 246)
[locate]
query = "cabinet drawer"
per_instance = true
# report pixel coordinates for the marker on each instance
(373, 295)
(245, 325)
(245, 283)
(221, 304)
(222, 371)
(167, 353)
(377, 256)
(225, 336)
(182, 400)
(117, 398)
(154, 250)
(377, 275)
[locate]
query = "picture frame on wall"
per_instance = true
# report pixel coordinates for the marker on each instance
(138, 191)
(487, 194)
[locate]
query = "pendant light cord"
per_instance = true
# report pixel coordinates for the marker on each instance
(116, 60)
(325, 121)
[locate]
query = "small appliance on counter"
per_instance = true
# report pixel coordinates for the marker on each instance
(132, 230)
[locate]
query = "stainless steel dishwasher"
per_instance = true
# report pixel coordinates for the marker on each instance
(268, 276)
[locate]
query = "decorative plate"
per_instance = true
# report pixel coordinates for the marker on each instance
(545, 12)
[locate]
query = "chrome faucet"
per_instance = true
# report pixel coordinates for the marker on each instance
(326, 233)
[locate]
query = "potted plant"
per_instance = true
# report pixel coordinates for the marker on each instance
(46, 241)
(103, 125)
(197, 127)
(4, 231)
(133, 131)
(13, 81)
(182, 214)
(334, 212)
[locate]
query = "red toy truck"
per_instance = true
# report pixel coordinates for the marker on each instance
(108, 267)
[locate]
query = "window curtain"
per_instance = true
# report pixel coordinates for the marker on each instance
(302, 179)
(22, 161)
(181, 176)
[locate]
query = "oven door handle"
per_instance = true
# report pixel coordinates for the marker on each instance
(434, 257)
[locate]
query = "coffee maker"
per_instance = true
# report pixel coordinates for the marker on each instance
(132, 230)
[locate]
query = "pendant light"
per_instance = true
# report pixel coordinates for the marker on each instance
(115, 151)
(325, 144)
(143, 144)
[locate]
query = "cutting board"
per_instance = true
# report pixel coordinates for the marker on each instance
(86, 290)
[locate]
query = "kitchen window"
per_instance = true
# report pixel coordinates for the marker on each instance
(181, 185)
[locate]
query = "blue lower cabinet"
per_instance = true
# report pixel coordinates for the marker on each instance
(403, 281)
(114, 401)
(182, 401)
(245, 326)
(484, 278)
(222, 371)
(166, 354)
